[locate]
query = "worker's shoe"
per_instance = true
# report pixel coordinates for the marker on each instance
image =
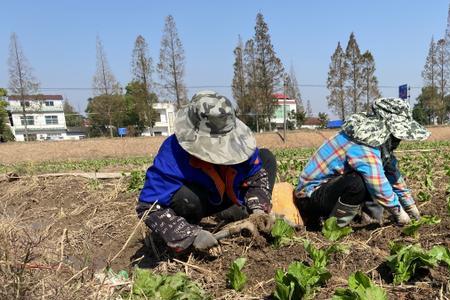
(344, 213)
(372, 212)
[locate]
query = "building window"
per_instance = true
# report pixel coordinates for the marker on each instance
(27, 103)
(51, 120)
(30, 120)
(49, 103)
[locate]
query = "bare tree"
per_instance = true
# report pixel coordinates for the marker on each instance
(21, 79)
(269, 68)
(238, 85)
(141, 66)
(104, 81)
(429, 73)
(309, 111)
(251, 79)
(370, 87)
(354, 76)
(171, 63)
(292, 88)
(442, 62)
(337, 75)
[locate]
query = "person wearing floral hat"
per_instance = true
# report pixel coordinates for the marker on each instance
(356, 169)
(211, 165)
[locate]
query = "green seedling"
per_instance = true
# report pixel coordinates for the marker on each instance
(333, 232)
(413, 228)
(360, 287)
(282, 233)
(236, 278)
(147, 285)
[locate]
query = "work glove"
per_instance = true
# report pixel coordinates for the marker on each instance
(399, 214)
(413, 212)
(262, 220)
(204, 240)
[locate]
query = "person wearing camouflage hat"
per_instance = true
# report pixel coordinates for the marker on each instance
(210, 166)
(356, 170)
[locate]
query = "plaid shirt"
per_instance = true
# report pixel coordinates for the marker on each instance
(340, 155)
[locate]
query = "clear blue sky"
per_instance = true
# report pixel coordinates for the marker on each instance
(58, 38)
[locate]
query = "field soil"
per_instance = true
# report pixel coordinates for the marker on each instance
(11, 153)
(58, 234)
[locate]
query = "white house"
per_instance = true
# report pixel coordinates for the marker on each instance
(278, 115)
(165, 115)
(44, 117)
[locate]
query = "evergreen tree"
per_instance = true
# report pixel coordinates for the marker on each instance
(323, 118)
(429, 73)
(5, 130)
(73, 118)
(426, 110)
(139, 106)
(106, 112)
(370, 87)
(21, 79)
(355, 81)
(143, 99)
(337, 75)
(104, 81)
(269, 68)
(171, 63)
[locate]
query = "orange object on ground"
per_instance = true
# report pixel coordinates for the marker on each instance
(283, 204)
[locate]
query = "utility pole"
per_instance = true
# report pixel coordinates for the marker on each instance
(284, 109)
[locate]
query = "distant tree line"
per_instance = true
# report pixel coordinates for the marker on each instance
(112, 106)
(351, 82)
(433, 103)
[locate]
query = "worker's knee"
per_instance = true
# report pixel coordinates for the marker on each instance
(186, 202)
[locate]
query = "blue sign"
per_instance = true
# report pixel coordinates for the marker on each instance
(403, 91)
(335, 123)
(122, 131)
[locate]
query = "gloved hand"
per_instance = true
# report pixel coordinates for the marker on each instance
(399, 214)
(413, 212)
(262, 220)
(204, 240)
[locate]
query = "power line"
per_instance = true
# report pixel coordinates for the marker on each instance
(211, 86)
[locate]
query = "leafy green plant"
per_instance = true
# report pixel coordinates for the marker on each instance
(137, 179)
(320, 256)
(147, 285)
(282, 233)
(299, 282)
(333, 232)
(412, 228)
(235, 276)
(405, 260)
(360, 287)
(424, 196)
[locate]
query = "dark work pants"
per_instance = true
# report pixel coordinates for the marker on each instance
(191, 200)
(349, 188)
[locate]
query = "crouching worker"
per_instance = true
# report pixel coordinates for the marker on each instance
(356, 169)
(211, 165)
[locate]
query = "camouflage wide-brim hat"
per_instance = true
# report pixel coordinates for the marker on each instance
(389, 116)
(208, 129)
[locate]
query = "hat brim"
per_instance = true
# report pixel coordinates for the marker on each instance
(408, 130)
(232, 148)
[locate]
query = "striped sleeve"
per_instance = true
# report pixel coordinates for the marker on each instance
(367, 162)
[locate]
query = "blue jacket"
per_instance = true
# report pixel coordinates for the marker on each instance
(173, 167)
